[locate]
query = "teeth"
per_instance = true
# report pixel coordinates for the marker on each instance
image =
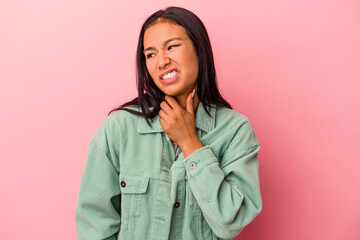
(169, 75)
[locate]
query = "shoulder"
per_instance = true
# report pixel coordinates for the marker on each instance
(117, 122)
(230, 116)
(122, 118)
(229, 120)
(123, 115)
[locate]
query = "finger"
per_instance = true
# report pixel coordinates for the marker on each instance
(162, 122)
(172, 102)
(165, 107)
(189, 102)
(163, 115)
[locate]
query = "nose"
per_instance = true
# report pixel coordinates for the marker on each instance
(163, 60)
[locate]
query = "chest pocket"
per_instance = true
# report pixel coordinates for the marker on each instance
(133, 190)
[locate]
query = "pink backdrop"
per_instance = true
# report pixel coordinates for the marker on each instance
(292, 67)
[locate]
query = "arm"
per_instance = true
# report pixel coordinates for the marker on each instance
(228, 194)
(227, 191)
(98, 204)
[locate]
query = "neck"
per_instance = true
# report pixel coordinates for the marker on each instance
(182, 102)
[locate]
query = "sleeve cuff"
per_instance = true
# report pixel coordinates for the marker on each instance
(199, 159)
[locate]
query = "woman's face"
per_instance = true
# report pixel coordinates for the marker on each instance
(171, 58)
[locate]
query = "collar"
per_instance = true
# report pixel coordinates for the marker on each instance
(203, 121)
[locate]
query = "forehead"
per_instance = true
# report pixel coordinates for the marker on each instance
(159, 32)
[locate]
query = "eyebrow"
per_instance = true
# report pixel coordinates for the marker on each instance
(164, 43)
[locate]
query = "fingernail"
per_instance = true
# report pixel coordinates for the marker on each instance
(193, 93)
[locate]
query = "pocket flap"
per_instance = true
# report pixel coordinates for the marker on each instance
(130, 183)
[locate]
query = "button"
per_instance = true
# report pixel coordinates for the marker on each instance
(123, 184)
(176, 205)
(192, 165)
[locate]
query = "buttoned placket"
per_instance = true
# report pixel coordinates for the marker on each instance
(177, 193)
(173, 158)
(177, 172)
(171, 220)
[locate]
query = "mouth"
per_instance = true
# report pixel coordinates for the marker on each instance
(169, 77)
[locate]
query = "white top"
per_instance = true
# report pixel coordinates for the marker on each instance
(176, 149)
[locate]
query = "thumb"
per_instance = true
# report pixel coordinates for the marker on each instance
(189, 102)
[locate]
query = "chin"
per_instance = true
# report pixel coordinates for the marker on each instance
(172, 93)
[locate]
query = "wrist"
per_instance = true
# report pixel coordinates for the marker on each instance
(190, 146)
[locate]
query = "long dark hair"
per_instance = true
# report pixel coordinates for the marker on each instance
(149, 95)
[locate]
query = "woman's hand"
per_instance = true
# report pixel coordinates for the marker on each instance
(179, 124)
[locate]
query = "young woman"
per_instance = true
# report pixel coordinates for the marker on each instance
(176, 162)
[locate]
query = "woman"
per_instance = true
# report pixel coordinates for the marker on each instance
(176, 162)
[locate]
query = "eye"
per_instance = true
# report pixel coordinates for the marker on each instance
(173, 46)
(149, 55)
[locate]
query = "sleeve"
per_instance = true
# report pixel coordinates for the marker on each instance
(228, 194)
(97, 214)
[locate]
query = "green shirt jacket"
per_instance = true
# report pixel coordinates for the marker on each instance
(135, 188)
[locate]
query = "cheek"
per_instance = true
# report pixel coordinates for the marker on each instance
(192, 63)
(193, 66)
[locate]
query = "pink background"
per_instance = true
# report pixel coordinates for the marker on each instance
(292, 67)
